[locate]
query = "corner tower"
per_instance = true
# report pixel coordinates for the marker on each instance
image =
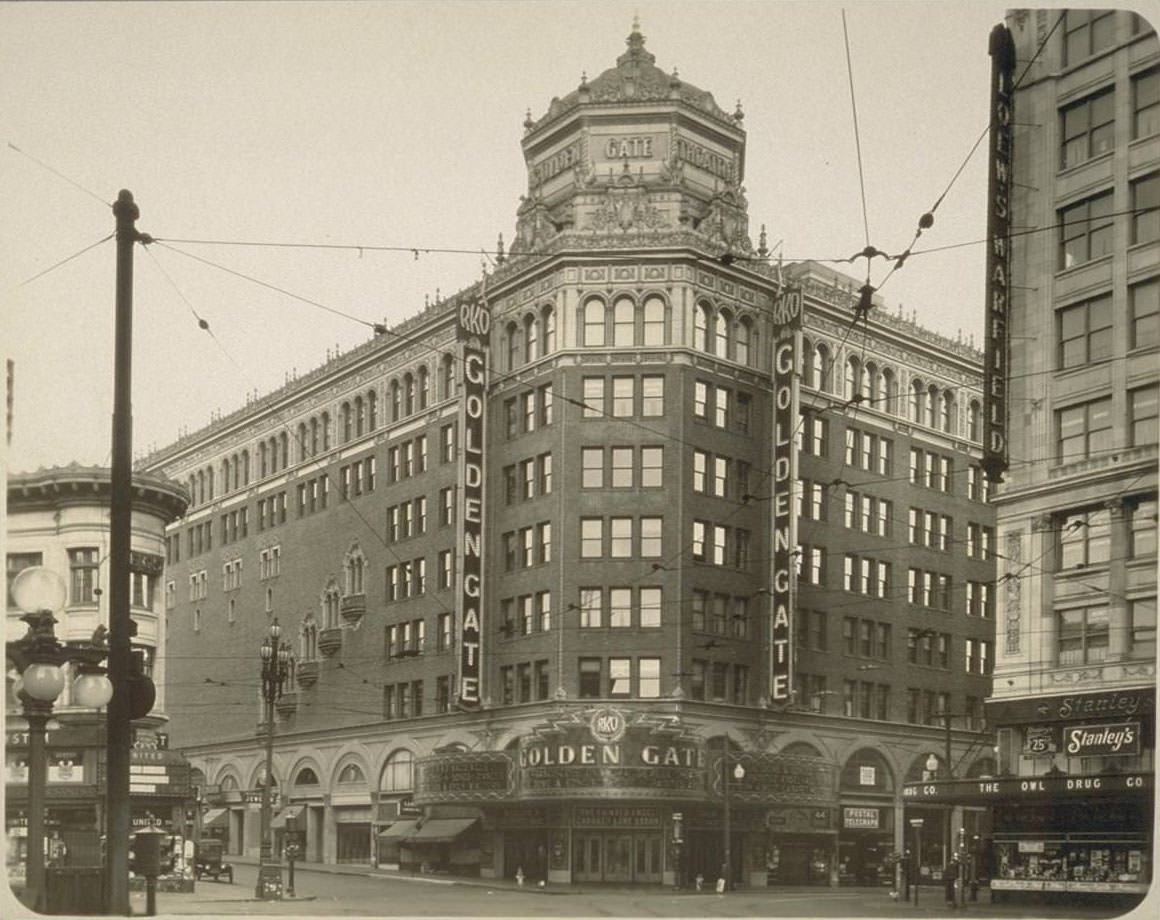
(634, 157)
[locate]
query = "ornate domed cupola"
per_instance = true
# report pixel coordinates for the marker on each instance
(634, 157)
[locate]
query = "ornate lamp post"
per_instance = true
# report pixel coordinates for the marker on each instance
(738, 772)
(275, 671)
(38, 656)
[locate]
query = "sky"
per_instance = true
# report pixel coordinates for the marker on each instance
(398, 124)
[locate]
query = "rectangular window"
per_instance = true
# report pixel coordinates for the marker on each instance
(544, 610)
(1142, 527)
(1146, 103)
(1085, 230)
(700, 471)
(652, 467)
(528, 411)
(623, 396)
(590, 669)
(1142, 416)
(648, 678)
(652, 403)
(593, 397)
(620, 677)
(620, 537)
(1088, 128)
(1143, 618)
(721, 407)
(544, 541)
(1085, 332)
(619, 607)
(1145, 303)
(622, 460)
(591, 538)
(83, 575)
(592, 467)
(447, 443)
(1146, 209)
(544, 473)
(698, 610)
(1082, 635)
(591, 604)
(546, 404)
(447, 506)
(650, 607)
(1087, 32)
(650, 537)
(701, 400)
(1084, 539)
(1083, 429)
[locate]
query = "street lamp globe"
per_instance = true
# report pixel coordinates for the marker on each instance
(275, 630)
(43, 681)
(932, 764)
(37, 588)
(738, 772)
(92, 691)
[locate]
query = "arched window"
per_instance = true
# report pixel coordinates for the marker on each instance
(623, 322)
(917, 400)
(741, 352)
(351, 773)
(424, 387)
(701, 317)
(330, 606)
(308, 637)
(354, 567)
(262, 460)
(396, 401)
(807, 370)
(890, 390)
(932, 402)
(284, 444)
(514, 343)
(821, 368)
(973, 419)
(654, 321)
(209, 483)
(947, 411)
(359, 416)
(408, 394)
(721, 323)
(306, 777)
(315, 439)
(593, 322)
(853, 375)
(246, 467)
(372, 410)
(874, 385)
(531, 338)
(447, 374)
(225, 475)
(192, 489)
(303, 443)
(549, 326)
(324, 429)
(398, 772)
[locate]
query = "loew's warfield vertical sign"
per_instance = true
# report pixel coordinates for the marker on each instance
(998, 290)
(787, 322)
(474, 327)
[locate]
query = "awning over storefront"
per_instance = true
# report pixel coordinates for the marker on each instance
(216, 817)
(440, 830)
(397, 831)
(290, 811)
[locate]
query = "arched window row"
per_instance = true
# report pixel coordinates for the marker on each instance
(410, 392)
(530, 337)
(624, 321)
(308, 638)
(358, 416)
(201, 485)
(330, 604)
(927, 404)
(719, 331)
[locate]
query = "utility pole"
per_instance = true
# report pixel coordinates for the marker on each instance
(118, 721)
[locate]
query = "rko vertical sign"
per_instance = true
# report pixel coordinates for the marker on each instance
(996, 351)
(474, 326)
(787, 322)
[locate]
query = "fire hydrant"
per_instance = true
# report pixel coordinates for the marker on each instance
(520, 876)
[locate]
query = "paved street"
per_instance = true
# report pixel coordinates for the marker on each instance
(354, 891)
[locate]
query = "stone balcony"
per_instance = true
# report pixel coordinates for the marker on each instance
(353, 607)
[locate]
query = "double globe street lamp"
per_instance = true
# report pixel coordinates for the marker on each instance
(275, 672)
(38, 657)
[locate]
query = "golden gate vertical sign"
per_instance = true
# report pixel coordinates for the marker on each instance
(787, 315)
(998, 291)
(474, 326)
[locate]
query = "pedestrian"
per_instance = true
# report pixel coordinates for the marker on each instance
(949, 876)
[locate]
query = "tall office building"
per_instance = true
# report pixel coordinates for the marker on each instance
(1075, 303)
(585, 580)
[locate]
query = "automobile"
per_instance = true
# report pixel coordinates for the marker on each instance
(208, 861)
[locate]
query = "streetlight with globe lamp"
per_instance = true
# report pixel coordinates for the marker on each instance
(738, 774)
(38, 657)
(275, 672)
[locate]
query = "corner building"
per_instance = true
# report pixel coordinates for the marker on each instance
(533, 611)
(1075, 676)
